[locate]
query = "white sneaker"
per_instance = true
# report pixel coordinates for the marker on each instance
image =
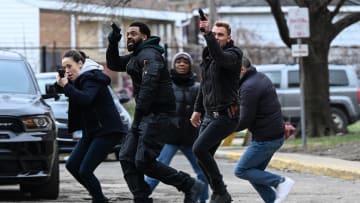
(283, 189)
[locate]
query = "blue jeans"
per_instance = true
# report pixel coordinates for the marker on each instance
(88, 153)
(252, 164)
(165, 157)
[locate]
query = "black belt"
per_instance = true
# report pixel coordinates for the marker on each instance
(232, 112)
(216, 114)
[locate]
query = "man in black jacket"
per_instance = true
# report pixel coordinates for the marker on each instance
(260, 112)
(155, 107)
(218, 98)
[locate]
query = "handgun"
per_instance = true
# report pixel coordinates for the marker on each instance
(115, 27)
(202, 15)
(202, 18)
(61, 72)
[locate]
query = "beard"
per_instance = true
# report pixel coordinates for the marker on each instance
(133, 44)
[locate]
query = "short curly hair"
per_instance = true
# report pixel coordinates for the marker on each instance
(143, 28)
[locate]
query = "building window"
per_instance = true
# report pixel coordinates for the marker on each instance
(104, 30)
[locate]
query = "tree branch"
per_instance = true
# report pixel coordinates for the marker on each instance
(343, 23)
(337, 9)
(108, 3)
(280, 21)
(300, 3)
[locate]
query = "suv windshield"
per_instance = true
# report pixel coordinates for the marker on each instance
(14, 79)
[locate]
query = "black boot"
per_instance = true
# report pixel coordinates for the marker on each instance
(104, 200)
(142, 200)
(136, 183)
(223, 198)
(194, 193)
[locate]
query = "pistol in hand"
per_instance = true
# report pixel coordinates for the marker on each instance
(61, 72)
(202, 18)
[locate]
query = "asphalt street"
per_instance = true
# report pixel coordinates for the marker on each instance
(308, 188)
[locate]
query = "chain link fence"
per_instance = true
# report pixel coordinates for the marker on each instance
(46, 59)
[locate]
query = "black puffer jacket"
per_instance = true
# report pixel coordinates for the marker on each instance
(91, 106)
(151, 79)
(260, 110)
(220, 72)
(186, 90)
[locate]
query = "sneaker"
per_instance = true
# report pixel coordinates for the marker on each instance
(224, 198)
(283, 189)
(194, 193)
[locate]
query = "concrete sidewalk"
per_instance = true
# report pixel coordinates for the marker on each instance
(303, 163)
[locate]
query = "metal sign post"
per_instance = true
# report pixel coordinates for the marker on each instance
(298, 22)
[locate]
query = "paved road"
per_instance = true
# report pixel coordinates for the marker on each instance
(308, 188)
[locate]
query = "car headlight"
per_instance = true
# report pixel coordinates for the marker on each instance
(37, 123)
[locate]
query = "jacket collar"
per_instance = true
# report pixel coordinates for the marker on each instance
(250, 72)
(152, 42)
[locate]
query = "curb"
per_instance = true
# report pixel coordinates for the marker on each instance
(348, 170)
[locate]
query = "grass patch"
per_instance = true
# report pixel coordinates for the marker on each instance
(324, 141)
(330, 141)
(354, 128)
(321, 142)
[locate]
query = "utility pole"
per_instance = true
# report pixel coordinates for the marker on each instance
(212, 12)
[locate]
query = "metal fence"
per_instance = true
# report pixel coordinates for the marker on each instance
(45, 59)
(49, 57)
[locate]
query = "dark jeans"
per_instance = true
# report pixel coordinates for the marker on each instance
(88, 153)
(212, 131)
(138, 157)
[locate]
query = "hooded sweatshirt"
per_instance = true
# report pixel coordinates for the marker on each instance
(91, 106)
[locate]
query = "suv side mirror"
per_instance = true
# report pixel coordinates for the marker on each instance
(50, 92)
(50, 89)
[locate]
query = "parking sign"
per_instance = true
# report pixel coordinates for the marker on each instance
(298, 23)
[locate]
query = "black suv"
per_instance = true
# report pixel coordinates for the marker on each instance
(28, 148)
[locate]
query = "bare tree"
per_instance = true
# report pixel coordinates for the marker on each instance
(108, 3)
(324, 27)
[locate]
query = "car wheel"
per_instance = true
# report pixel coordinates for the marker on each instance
(340, 120)
(48, 190)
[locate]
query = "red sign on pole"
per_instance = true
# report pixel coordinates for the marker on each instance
(298, 22)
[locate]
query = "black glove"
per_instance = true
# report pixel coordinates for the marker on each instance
(114, 37)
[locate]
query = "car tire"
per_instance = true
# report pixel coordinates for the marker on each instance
(49, 189)
(340, 120)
